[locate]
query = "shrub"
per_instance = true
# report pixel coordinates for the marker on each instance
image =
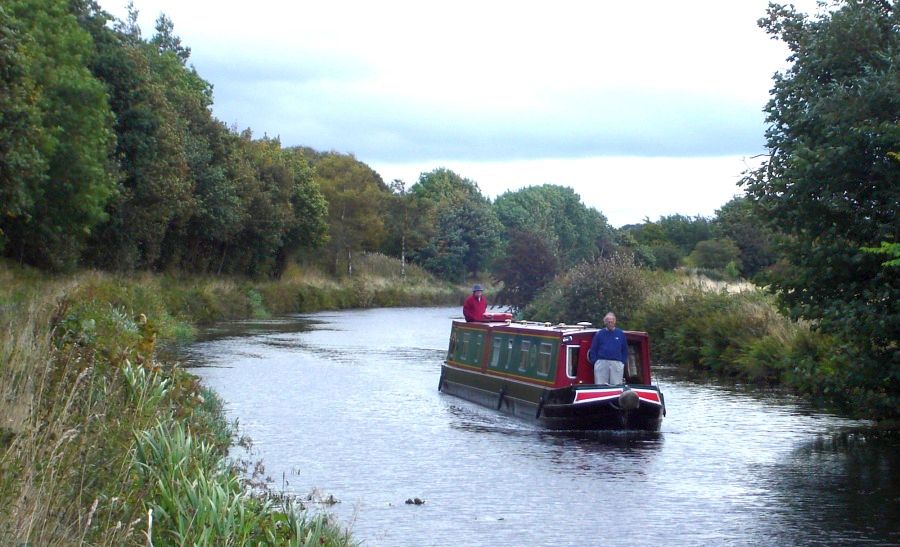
(590, 290)
(714, 254)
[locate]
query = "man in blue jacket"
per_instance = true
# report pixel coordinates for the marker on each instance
(609, 353)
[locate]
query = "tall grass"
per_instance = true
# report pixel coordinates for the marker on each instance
(742, 334)
(198, 499)
(102, 444)
(729, 329)
(377, 282)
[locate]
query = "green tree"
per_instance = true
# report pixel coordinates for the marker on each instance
(285, 211)
(166, 41)
(737, 220)
(575, 231)
(666, 256)
(67, 179)
(831, 186)
(685, 232)
(528, 264)
(891, 250)
(397, 223)
(667, 241)
(459, 233)
(715, 254)
(156, 184)
(356, 197)
(589, 290)
(22, 166)
(628, 240)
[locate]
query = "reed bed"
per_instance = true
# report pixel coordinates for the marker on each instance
(738, 332)
(102, 444)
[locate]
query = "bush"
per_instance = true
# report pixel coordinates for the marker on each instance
(666, 256)
(710, 330)
(715, 254)
(590, 290)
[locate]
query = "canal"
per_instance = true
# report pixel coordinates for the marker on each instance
(345, 404)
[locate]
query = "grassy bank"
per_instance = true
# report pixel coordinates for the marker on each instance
(101, 443)
(731, 330)
(737, 331)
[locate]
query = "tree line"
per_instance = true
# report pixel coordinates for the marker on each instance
(111, 158)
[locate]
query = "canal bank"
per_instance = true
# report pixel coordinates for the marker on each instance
(93, 423)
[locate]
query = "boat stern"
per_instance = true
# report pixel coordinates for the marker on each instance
(628, 397)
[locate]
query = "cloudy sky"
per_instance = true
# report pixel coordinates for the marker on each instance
(643, 108)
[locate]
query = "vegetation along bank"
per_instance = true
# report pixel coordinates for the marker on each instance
(103, 442)
(129, 214)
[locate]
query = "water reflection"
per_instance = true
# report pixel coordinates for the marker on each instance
(844, 485)
(253, 327)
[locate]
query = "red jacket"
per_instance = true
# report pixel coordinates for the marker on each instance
(473, 309)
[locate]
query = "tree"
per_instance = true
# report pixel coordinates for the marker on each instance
(891, 250)
(165, 39)
(397, 223)
(22, 167)
(666, 256)
(575, 231)
(831, 187)
(685, 232)
(528, 264)
(737, 221)
(715, 254)
(466, 237)
(457, 231)
(356, 198)
(155, 177)
(66, 179)
(664, 243)
(285, 209)
(589, 290)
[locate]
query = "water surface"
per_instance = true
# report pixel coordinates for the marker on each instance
(346, 403)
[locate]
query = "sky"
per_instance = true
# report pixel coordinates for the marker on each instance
(645, 109)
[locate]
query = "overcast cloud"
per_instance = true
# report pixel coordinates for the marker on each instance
(643, 108)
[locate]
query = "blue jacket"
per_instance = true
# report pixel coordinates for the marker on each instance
(609, 344)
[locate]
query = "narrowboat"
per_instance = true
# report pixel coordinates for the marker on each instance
(540, 372)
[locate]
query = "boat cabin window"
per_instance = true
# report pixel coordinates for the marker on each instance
(544, 353)
(572, 361)
(469, 345)
(526, 353)
(508, 357)
(496, 346)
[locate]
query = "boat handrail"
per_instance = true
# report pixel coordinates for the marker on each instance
(564, 326)
(547, 324)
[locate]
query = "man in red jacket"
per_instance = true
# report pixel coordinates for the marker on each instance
(475, 305)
